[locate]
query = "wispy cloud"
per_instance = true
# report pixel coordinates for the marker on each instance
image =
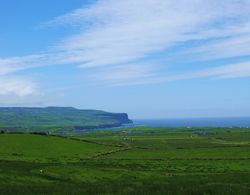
(14, 64)
(135, 74)
(126, 31)
(15, 90)
(221, 72)
(116, 38)
(123, 74)
(17, 86)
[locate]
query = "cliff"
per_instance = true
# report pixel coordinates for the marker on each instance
(28, 118)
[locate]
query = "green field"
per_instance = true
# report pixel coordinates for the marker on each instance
(127, 161)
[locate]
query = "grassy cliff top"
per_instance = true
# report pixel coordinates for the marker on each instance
(61, 117)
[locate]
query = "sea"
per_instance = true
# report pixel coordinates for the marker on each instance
(229, 122)
(243, 122)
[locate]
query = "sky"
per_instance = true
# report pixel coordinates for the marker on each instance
(148, 58)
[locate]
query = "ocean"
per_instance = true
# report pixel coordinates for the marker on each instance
(195, 122)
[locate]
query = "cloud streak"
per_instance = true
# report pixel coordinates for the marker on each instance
(116, 38)
(221, 72)
(136, 75)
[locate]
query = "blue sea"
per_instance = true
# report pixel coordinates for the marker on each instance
(195, 122)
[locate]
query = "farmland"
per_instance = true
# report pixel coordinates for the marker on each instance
(137, 160)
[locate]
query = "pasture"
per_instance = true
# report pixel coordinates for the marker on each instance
(127, 161)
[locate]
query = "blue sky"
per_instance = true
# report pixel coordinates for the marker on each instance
(149, 58)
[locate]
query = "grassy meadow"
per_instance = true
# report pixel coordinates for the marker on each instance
(136, 160)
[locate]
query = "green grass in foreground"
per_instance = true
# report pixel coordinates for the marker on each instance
(146, 162)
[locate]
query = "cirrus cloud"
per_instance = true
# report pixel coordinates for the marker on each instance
(116, 39)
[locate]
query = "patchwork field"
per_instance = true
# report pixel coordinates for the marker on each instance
(128, 161)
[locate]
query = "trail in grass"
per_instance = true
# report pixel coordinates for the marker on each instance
(91, 141)
(110, 152)
(120, 147)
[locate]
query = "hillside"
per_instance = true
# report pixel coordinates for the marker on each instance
(58, 118)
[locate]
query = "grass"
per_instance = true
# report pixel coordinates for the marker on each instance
(37, 148)
(148, 161)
